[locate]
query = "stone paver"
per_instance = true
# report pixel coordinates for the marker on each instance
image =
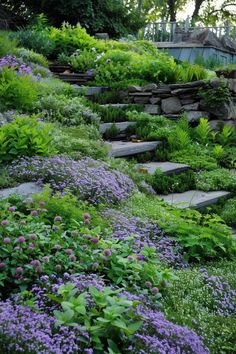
(25, 189)
(166, 167)
(122, 148)
(193, 199)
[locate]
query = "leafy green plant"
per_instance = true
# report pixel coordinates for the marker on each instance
(226, 135)
(174, 183)
(203, 131)
(17, 91)
(7, 45)
(228, 213)
(25, 137)
(109, 318)
(215, 97)
(30, 56)
(216, 180)
(179, 140)
(83, 61)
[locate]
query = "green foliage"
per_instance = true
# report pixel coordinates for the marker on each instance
(226, 136)
(190, 302)
(17, 91)
(7, 45)
(203, 237)
(210, 63)
(179, 140)
(30, 56)
(110, 318)
(228, 159)
(187, 73)
(217, 179)
(25, 137)
(5, 179)
(66, 110)
(203, 131)
(215, 97)
(81, 141)
(228, 213)
(165, 184)
(84, 61)
(36, 40)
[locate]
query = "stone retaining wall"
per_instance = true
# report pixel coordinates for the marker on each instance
(172, 100)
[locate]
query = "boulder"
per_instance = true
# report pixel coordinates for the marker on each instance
(205, 37)
(133, 89)
(171, 105)
(104, 36)
(191, 107)
(186, 101)
(192, 84)
(149, 87)
(152, 109)
(24, 189)
(194, 116)
(226, 111)
(155, 100)
(183, 91)
(232, 85)
(219, 124)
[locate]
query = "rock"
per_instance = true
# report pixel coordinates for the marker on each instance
(171, 105)
(226, 111)
(161, 90)
(149, 87)
(102, 36)
(205, 37)
(191, 107)
(140, 94)
(172, 116)
(215, 84)
(182, 91)
(228, 44)
(194, 116)
(219, 124)
(24, 189)
(152, 109)
(155, 100)
(186, 101)
(133, 89)
(141, 100)
(192, 84)
(232, 85)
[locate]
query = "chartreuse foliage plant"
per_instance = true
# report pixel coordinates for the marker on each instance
(25, 137)
(107, 321)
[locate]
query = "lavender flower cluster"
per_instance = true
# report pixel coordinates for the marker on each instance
(25, 331)
(147, 233)
(158, 335)
(89, 179)
(51, 285)
(224, 297)
(10, 61)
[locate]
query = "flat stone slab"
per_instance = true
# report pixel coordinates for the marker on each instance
(25, 189)
(166, 167)
(122, 148)
(193, 199)
(121, 126)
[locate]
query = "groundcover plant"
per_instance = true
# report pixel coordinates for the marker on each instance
(96, 262)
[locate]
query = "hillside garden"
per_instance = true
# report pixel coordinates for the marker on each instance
(98, 261)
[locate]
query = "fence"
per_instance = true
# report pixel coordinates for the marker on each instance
(166, 31)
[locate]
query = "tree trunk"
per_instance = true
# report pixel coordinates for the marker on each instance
(172, 10)
(198, 4)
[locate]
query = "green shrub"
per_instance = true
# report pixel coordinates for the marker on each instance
(187, 73)
(7, 45)
(17, 91)
(218, 179)
(24, 137)
(204, 237)
(5, 179)
(215, 97)
(30, 56)
(38, 41)
(174, 183)
(84, 61)
(228, 213)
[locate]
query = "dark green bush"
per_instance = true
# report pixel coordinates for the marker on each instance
(165, 184)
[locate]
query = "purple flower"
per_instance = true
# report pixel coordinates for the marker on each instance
(140, 257)
(41, 203)
(58, 218)
(11, 209)
(21, 239)
(72, 258)
(86, 216)
(5, 223)
(34, 212)
(154, 291)
(19, 270)
(107, 252)
(2, 265)
(46, 259)
(69, 251)
(95, 240)
(57, 247)
(33, 237)
(35, 263)
(6, 240)
(148, 284)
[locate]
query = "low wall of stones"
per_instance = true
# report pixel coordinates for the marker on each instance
(173, 100)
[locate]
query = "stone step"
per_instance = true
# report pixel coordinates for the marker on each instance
(195, 199)
(124, 148)
(24, 189)
(121, 126)
(167, 168)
